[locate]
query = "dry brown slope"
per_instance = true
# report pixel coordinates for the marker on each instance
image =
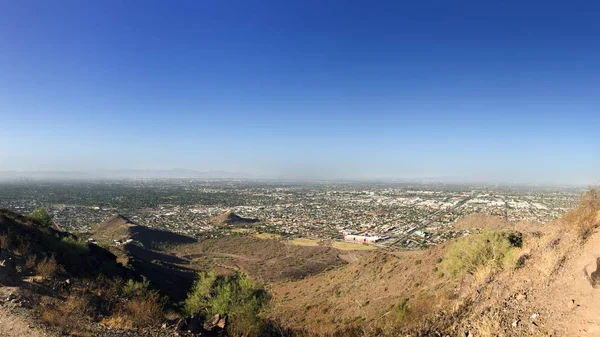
(267, 260)
(365, 292)
(548, 295)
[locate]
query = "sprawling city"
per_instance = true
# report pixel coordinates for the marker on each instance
(399, 215)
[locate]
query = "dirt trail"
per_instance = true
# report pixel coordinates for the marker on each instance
(13, 325)
(575, 302)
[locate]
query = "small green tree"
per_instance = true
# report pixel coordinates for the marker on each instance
(201, 292)
(240, 298)
(41, 216)
(489, 249)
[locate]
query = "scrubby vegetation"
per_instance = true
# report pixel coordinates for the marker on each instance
(144, 306)
(585, 216)
(108, 301)
(42, 217)
(491, 250)
(241, 299)
(401, 310)
(133, 288)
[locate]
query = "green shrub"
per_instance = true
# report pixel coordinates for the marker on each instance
(74, 245)
(133, 288)
(401, 310)
(41, 217)
(47, 267)
(488, 249)
(238, 297)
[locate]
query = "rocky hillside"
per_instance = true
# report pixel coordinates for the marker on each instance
(53, 284)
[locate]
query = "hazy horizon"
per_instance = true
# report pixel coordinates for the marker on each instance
(182, 174)
(469, 91)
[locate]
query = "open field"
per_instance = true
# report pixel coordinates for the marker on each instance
(351, 246)
(304, 242)
(267, 260)
(267, 236)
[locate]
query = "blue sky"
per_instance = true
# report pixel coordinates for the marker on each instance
(473, 90)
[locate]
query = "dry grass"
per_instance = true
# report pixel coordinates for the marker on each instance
(267, 236)
(351, 246)
(47, 267)
(118, 322)
(482, 253)
(3, 241)
(488, 325)
(586, 216)
(483, 275)
(549, 261)
(68, 315)
(30, 263)
(304, 242)
(146, 310)
(103, 300)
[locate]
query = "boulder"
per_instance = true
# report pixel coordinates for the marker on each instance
(222, 322)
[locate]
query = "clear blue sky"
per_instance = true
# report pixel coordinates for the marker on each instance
(482, 90)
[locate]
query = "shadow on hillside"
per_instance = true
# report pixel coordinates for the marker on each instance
(162, 270)
(77, 257)
(156, 239)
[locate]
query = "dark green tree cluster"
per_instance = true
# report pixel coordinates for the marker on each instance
(42, 217)
(240, 298)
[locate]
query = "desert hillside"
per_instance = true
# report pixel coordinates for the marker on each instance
(541, 284)
(503, 279)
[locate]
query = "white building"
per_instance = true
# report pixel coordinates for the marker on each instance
(361, 238)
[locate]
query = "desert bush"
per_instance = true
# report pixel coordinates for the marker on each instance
(146, 310)
(401, 310)
(74, 246)
(20, 244)
(47, 267)
(585, 216)
(3, 241)
(30, 263)
(242, 300)
(69, 315)
(490, 249)
(135, 288)
(202, 290)
(41, 217)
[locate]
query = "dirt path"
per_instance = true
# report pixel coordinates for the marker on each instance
(575, 302)
(13, 325)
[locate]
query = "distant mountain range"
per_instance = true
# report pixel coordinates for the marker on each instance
(122, 174)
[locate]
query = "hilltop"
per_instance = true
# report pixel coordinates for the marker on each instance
(232, 219)
(121, 229)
